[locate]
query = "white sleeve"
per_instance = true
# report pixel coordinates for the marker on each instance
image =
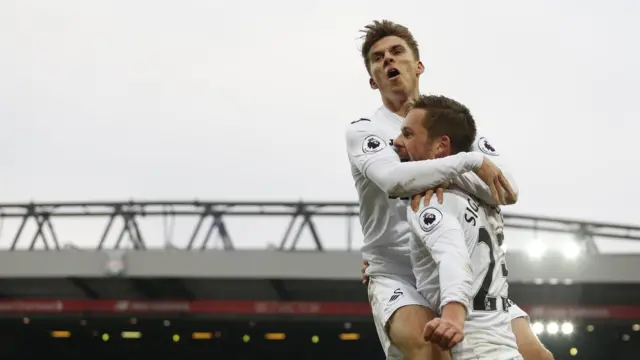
(471, 182)
(376, 159)
(442, 234)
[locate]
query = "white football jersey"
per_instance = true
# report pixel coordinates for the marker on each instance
(381, 178)
(457, 257)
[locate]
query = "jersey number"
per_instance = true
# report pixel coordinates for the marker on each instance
(482, 301)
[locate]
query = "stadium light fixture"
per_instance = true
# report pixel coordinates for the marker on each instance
(349, 336)
(275, 336)
(537, 328)
(61, 334)
(590, 328)
(105, 337)
(567, 328)
(571, 250)
(553, 328)
(202, 336)
(626, 337)
(175, 338)
(246, 338)
(131, 334)
(635, 327)
(536, 249)
(315, 339)
(573, 351)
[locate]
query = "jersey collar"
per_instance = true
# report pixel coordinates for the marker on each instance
(391, 116)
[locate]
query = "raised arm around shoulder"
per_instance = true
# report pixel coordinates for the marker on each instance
(440, 230)
(472, 183)
(376, 159)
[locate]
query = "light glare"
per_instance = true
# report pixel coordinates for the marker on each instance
(571, 250)
(553, 328)
(536, 249)
(567, 328)
(537, 328)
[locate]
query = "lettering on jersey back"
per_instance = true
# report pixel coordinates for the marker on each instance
(486, 147)
(483, 300)
(471, 212)
(373, 144)
(429, 218)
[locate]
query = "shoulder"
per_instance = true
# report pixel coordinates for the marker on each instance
(364, 122)
(366, 135)
(485, 144)
(434, 216)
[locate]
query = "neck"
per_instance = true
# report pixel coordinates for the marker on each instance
(398, 103)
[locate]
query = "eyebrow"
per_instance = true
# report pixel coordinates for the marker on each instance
(392, 47)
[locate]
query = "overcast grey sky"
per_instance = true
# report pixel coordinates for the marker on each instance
(248, 100)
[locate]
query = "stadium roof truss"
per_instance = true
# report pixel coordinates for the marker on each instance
(211, 217)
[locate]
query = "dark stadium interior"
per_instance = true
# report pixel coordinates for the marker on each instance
(68, 303)
(289, 290)
(243, 336)
(241, 339)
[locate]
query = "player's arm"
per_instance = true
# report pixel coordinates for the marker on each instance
(374, 156)
(442, 234)
(472, 183)
(438, 228)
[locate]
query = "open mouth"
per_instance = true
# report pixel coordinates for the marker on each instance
(392, 73)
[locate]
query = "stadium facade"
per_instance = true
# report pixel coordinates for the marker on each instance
(279, 302)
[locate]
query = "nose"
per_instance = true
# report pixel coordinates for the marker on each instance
(398, 142)
(388, 58)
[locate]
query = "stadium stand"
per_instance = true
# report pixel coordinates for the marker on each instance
(287, 304)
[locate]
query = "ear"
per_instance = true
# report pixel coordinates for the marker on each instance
(420, 68)
(373, 84)
(444, 147)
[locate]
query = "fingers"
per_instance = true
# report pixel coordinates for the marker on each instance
(453, 339)
(427, 197)
(447, 339)
(440, 194)
(415, 202)
(494, 192)
(429, 328)
(457, 339)
(443, 333)
(363, 270)
(496, 183)
(511, 195)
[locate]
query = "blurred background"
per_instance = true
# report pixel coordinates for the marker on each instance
(175, 178)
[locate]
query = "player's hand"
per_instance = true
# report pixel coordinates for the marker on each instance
(443, 332)
(426, 196)
(365, 277)
(492, 176)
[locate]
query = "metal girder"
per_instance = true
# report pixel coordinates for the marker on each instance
(87, 290)
(281, 291)
(213, 214)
